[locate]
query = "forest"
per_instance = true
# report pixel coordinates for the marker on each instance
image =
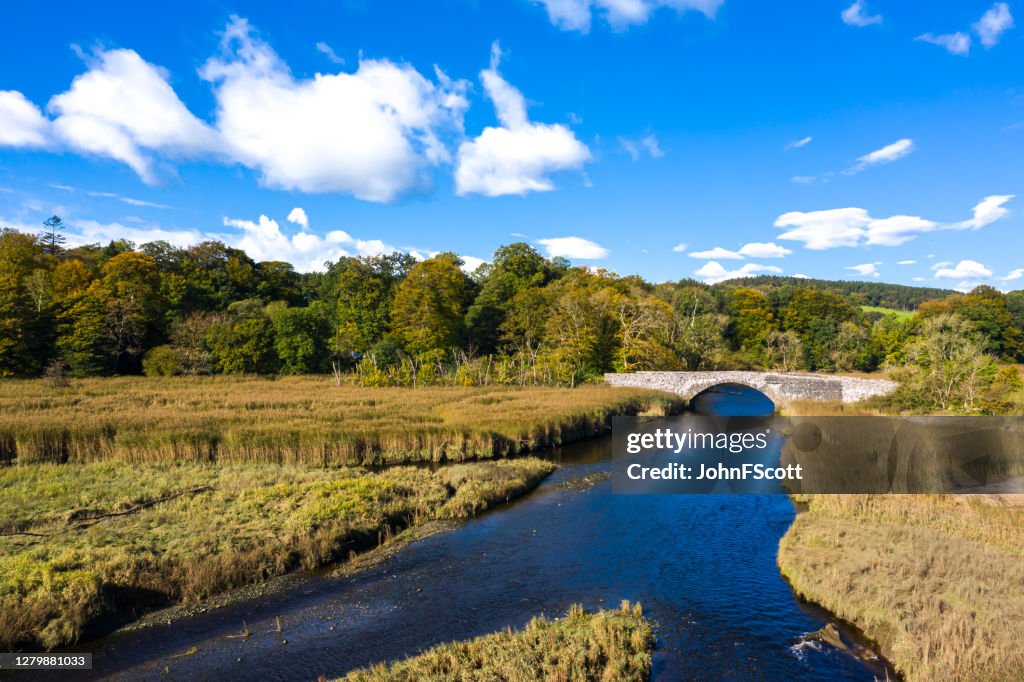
(522, 319)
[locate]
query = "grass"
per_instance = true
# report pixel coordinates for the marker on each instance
(936, 581)
(83, 547)
(612, 645)
(901, 314)
(298, 420)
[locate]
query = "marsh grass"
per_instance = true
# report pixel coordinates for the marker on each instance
(612, 645)
(83, 546)
(298, 420)
(936, 581)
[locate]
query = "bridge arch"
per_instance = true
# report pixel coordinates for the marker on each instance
(750, 398)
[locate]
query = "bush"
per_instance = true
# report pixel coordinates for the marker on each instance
(161, 361)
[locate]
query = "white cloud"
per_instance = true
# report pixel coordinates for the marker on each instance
(1014, 274)
(986, 212)
(955, 43)
(679, 248)
(21, 122)
(829, 229)
(965, 269)
(264, 240)
(865, 269)
(857, 15)
(713, 272)
(849, 227)
(92, 232)
(796, 144)
(471, 263)
(906, 262)
(637, 148)
(887, 154)
(326, 49)
(124, 108)
(575, 15)
(519, 156)
(800, 276)
(802, 179)
(897, 230)
(917, 279)
(573, 247)
(298, 217)
(717, 252)
(370, 133)
(993, 23)
(764, 250)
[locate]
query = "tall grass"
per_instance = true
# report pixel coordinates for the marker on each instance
(613, 645)
(936, 581)
(84, 547)
(298, 420)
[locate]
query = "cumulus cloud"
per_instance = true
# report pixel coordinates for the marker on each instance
(264, 239)
(906, 262)
(988, 210)
(865, 269)
(471, 263)
(646, 145)
(796, 144)
(717, 252)
(713, 272)
(679, 248)
(993, 23)
(965, 269)
(764, 250)
(298, 217)
(849, 227)
(857, 15)
(1014, 274)
(124, 108)
(573, 247)
(92, 232)
(21, 122)
(887, 154)
(575, 15)
(370, 133)
(519, 156)
(955, 43)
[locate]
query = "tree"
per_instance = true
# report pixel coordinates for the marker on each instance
(429, 305)
(301, 337)
(52, 238)
(243, 341)
(816, 315)
(785, 351)
(23, 319)
(362, 290)
(948, 365)
(752, 322)
(514, 268)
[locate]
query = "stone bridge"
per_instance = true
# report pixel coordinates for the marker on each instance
(779, 387)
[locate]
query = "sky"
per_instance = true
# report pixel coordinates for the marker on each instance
(712, 139)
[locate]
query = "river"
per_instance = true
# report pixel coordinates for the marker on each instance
(703, 566)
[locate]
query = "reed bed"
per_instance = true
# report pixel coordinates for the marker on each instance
(607, 645)
(298, 420)
(936, 581)
(85, 547)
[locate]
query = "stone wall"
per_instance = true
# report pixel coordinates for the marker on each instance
(779, 387)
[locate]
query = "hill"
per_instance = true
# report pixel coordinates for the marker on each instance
(877, 294)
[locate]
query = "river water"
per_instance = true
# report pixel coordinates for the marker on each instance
(703, 566)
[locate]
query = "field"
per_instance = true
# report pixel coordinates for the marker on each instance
(936, 581)
(297, 420)
(82, 546)
(901, 314)
(607, 645)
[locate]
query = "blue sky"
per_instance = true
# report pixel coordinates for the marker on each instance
(667, 138)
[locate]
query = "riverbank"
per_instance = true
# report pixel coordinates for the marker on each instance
(299, 420)
(937, 582)
(86, 547)
(607, 645)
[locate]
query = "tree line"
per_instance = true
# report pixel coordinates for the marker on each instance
(394, 320)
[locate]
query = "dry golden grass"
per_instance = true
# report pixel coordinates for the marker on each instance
(304, 420)
(83, 546)
(936, 581)
(608, 645)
